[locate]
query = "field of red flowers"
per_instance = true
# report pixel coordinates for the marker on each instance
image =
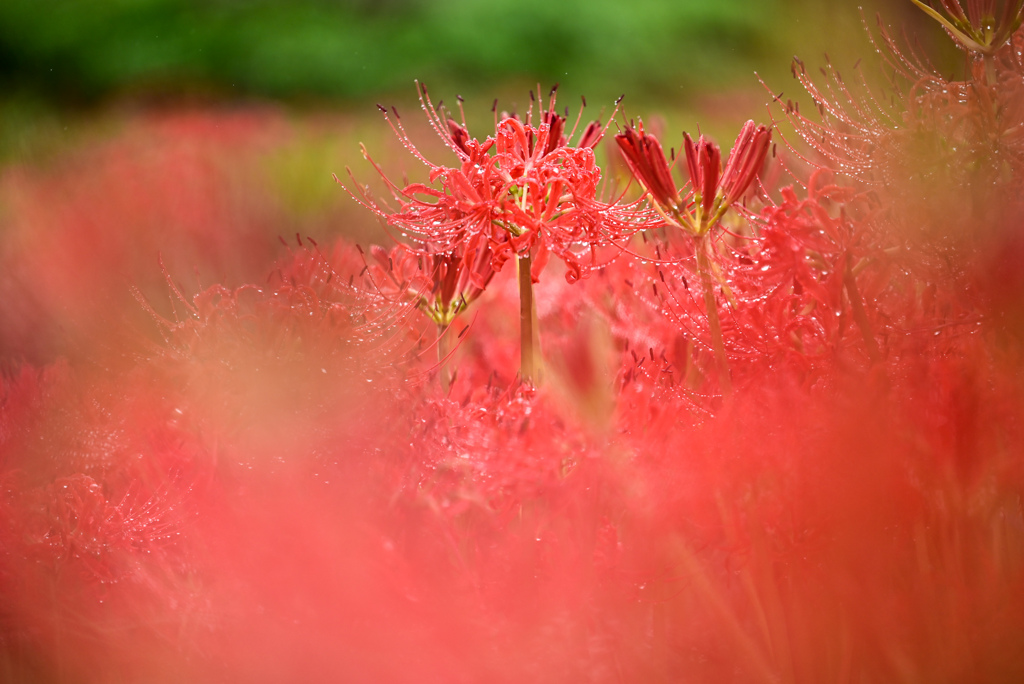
(596, 406)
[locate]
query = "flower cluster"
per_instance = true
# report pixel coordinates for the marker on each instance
(712, 189)
(443, 284)
(522, 191)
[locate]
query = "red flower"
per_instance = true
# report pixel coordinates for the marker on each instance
(523, 190)
(745, 162)
(443, 285)
(646, 160)
(713, 190)
(704, 164)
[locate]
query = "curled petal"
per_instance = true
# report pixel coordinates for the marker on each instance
(591, 135)
(646, 160)
(704, 164)
(745, 161)
(459, 135)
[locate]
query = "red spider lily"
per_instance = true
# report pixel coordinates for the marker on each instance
(525, 189)
(646, 160)
(745, 161)
(704, 164)
(713, 190)
(443, 285)
(870, 134)
(978, 28)
(925, 138)
(808, 275)
(525, 192)
(855, 133)
(939, 152)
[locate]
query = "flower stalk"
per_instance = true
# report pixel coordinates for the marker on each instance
(713, 190)
(527, 368)
(443, 350)
(703, 246)
(860, 315)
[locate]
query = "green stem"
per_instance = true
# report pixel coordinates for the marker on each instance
(526, 367)
(443, 349)
(703, 247)
(990, 70)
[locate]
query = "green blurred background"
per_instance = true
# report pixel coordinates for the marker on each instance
(84, 52)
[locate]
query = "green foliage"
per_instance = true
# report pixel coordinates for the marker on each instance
(344, 49)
